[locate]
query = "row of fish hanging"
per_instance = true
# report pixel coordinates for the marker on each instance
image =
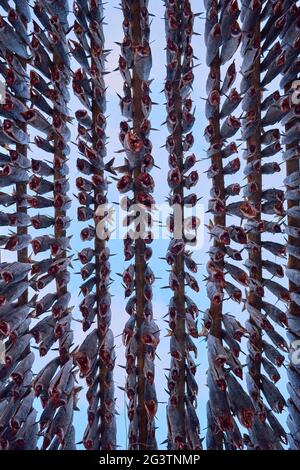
(36, 69)
(182, 420)
(36, 66)
(263, 60)
(96, 355)
(141, 333)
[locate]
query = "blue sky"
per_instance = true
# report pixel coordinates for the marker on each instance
(113, 34)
